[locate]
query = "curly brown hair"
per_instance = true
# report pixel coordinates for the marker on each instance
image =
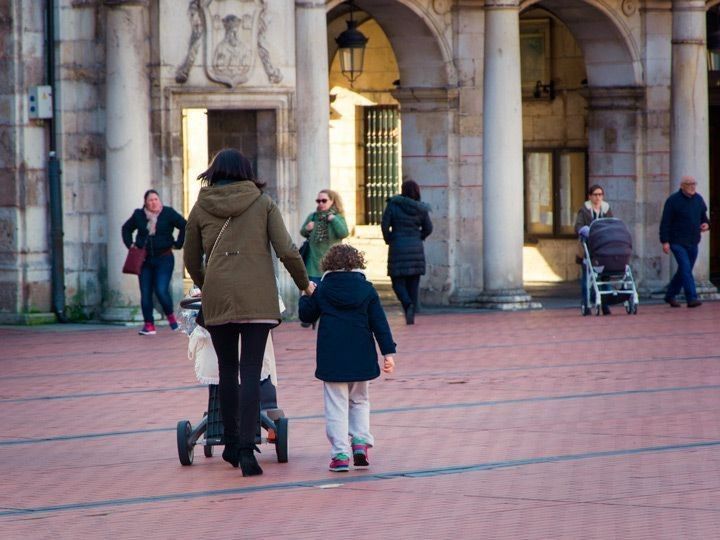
(342, 257)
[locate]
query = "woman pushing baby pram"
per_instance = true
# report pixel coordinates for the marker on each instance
(607, 276)
(227, 254)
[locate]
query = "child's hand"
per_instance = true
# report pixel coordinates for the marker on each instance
(388, 364)
(311, 289)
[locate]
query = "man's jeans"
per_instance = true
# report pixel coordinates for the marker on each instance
(155, 278)
(683, 278)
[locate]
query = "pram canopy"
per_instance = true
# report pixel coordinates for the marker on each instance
(610, 244)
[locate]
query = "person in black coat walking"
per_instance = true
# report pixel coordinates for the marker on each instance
(155, 225)
(351, 319)
(683, 220)
(405, 225)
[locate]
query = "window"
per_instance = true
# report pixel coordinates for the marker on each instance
(555, 185)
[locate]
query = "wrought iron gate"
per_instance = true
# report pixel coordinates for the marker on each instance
(382, 171)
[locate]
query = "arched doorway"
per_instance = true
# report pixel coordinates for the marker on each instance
(582, 124)
(400, 101)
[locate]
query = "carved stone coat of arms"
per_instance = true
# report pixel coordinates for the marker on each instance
(234, 34)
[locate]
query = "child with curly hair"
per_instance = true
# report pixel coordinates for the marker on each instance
(351, 319)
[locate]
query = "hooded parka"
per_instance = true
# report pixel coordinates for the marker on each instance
(351, 318)
(238, 283)
(405, 224)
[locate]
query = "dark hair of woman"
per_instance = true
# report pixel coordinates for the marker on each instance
(594, 187)
(410, 189)
(342, 257)
(229, 164)
(150, 192)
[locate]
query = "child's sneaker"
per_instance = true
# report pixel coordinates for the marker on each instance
(340, 463)
(360, 453)
(148, 330)
(173, 322)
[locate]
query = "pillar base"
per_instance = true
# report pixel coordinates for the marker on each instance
(121, 314)
(28, 319)
(504, 300)
(705, 291)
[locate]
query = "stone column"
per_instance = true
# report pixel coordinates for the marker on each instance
(689, 143)
(313, 103)
(127, 143)
(502, 159)
(428, 158)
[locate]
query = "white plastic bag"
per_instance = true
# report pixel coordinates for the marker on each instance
(202, 353)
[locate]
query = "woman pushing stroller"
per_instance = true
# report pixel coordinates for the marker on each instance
(594, 208)
(232, 226)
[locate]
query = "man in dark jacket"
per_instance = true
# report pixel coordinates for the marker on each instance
(684, 217)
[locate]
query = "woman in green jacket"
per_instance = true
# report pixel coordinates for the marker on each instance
(227, 254)
(323, 228)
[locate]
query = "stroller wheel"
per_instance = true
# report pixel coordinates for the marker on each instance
(597, 311)
(584, 310)
(186, 450)
(208, 450)
(281, 442)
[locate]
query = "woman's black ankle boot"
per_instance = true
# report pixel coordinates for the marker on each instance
(230, 453)
(248, 463)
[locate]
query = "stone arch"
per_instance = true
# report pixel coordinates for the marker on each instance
(612, 57)
(423, 54)
(428, 101)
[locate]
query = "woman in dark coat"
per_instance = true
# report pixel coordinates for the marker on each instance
(155, 225)
(405, 225)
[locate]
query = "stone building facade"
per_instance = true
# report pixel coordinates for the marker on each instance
(504, 111)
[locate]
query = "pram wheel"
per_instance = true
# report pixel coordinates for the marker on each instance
(186, 449)
(598, 310)
(281, 442)
(207, 450)
(631, 306)
(584, 310)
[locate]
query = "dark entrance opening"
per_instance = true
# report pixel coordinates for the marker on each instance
(254, 133)
(714, 195)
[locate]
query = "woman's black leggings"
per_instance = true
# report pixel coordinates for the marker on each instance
(240, 407)
(406, 289)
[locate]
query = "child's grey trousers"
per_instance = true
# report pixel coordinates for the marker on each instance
(347, 413)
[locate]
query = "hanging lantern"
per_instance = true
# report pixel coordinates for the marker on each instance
(351, 44)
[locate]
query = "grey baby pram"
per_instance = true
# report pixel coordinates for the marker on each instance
(608, 276)
(272, 423)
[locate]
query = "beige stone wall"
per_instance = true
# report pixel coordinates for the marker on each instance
(81, 123)
(24, 249)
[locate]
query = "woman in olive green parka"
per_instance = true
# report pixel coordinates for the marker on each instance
(239, 291)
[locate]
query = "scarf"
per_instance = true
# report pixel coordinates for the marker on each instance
(320, 231)
(152, 218)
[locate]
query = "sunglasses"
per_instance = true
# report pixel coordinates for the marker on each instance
(597, 194)
(321, 200)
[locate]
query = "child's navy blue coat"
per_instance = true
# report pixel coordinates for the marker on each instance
(351, 315)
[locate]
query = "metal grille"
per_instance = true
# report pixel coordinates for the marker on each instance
(382, 175)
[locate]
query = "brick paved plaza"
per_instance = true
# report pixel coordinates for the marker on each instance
(540, 424)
